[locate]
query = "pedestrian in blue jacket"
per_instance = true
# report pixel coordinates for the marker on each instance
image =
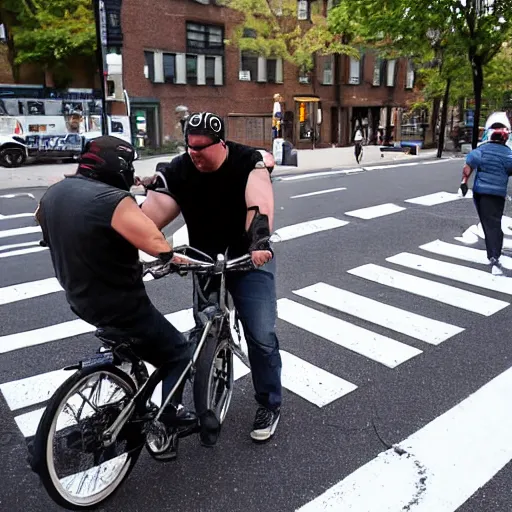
(492, 162)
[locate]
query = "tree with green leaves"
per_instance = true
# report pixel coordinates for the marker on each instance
(476, 29)
(271, 28)
(49, 32)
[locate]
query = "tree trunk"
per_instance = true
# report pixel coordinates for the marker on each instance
(444, 114)
(48, 78)
(435, 116)
(478, 83)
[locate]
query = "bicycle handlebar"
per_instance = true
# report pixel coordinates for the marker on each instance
(158, 269)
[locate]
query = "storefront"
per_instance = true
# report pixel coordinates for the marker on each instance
(145, 121)
(308, 115)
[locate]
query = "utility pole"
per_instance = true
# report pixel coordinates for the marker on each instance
(101, 43)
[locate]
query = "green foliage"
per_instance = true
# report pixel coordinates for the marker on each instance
(276, 32)
(48, 32)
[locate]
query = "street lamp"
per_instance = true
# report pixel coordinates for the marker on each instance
(101, 42)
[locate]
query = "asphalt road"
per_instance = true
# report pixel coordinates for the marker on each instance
(434, 366)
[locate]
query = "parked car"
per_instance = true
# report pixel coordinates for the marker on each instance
(13, 151)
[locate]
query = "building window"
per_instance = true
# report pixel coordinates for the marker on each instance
(204, 38)
(327, 75)
(272, 71)
(390, 74)
(210, 70)
(249, 66)
(169, 60)
(355, 72)
(409, 81)
(149, 66)
(192, 69)
(377, 72)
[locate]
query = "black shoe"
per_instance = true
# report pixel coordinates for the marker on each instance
(178, 417)
(265, 424)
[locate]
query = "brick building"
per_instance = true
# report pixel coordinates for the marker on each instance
(174, 56)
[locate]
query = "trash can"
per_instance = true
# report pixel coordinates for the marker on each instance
(289, 154)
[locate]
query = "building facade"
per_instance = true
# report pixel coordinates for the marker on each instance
(174, 59)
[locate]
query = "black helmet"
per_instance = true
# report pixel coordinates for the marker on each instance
(110, 160)
(204, 123)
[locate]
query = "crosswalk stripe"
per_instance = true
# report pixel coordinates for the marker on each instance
(459, 273)
(433, 199)
(29, 290)
(312, 383)
(16, 216)
(374, 346)
(16, 246)
(306, 228)
(19, 231)
(373, 212)
(399, 320)
(20, 252)
(439, 467)
(319, 192)
(463, 253)
(182, 320)
(440, 292)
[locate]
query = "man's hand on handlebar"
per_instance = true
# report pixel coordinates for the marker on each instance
(259, 258)
(145, 181)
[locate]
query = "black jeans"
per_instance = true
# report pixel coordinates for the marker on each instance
(490, 210)
(161, 343)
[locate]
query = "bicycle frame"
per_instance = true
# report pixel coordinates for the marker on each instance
(218, 312)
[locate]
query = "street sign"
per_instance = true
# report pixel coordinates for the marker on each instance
(103, 23)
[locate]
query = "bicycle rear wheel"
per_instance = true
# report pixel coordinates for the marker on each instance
(61, 441)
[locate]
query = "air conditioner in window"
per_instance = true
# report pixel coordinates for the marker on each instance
(353, 80)
(244, 76)
(303, 80)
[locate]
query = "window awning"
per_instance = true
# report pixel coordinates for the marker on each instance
(306, 99)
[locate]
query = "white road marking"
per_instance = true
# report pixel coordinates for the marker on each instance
(431, 289)
(29, 290)
(21, 252)
(319, 192)
(312, 383)
(399, 320)
(375, 211)
(306, 228)
(433, 199)
(379, 348)
(16, 216)
(20, 231)
(439, 467)
(15, 246)
(463, 253)
(21, 194)
(459, 273)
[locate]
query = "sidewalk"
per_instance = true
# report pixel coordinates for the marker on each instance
(44, 175)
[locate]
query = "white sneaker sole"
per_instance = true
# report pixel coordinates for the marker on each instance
(264, 435)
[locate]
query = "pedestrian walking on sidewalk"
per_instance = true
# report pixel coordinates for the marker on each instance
(358, 145)
(492, 162)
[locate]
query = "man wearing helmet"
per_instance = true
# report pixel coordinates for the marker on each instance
(225, 194)
(94, 230)
(492, 162)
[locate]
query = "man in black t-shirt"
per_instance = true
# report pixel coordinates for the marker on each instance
(94, 229)
(224, 192)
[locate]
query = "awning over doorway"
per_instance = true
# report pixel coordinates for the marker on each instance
(306, 99)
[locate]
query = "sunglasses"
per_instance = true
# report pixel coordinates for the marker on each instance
(200, 148)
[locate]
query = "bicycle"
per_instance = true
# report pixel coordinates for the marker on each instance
(133, 420)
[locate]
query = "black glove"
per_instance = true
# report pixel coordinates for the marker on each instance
(464, 188)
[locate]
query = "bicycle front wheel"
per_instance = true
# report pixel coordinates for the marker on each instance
(69, 454)
(213, 382)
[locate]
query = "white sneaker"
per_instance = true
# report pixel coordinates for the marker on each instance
(496, 267)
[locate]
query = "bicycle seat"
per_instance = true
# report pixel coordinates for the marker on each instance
(113, 336)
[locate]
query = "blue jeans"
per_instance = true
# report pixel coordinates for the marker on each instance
(254, 296)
